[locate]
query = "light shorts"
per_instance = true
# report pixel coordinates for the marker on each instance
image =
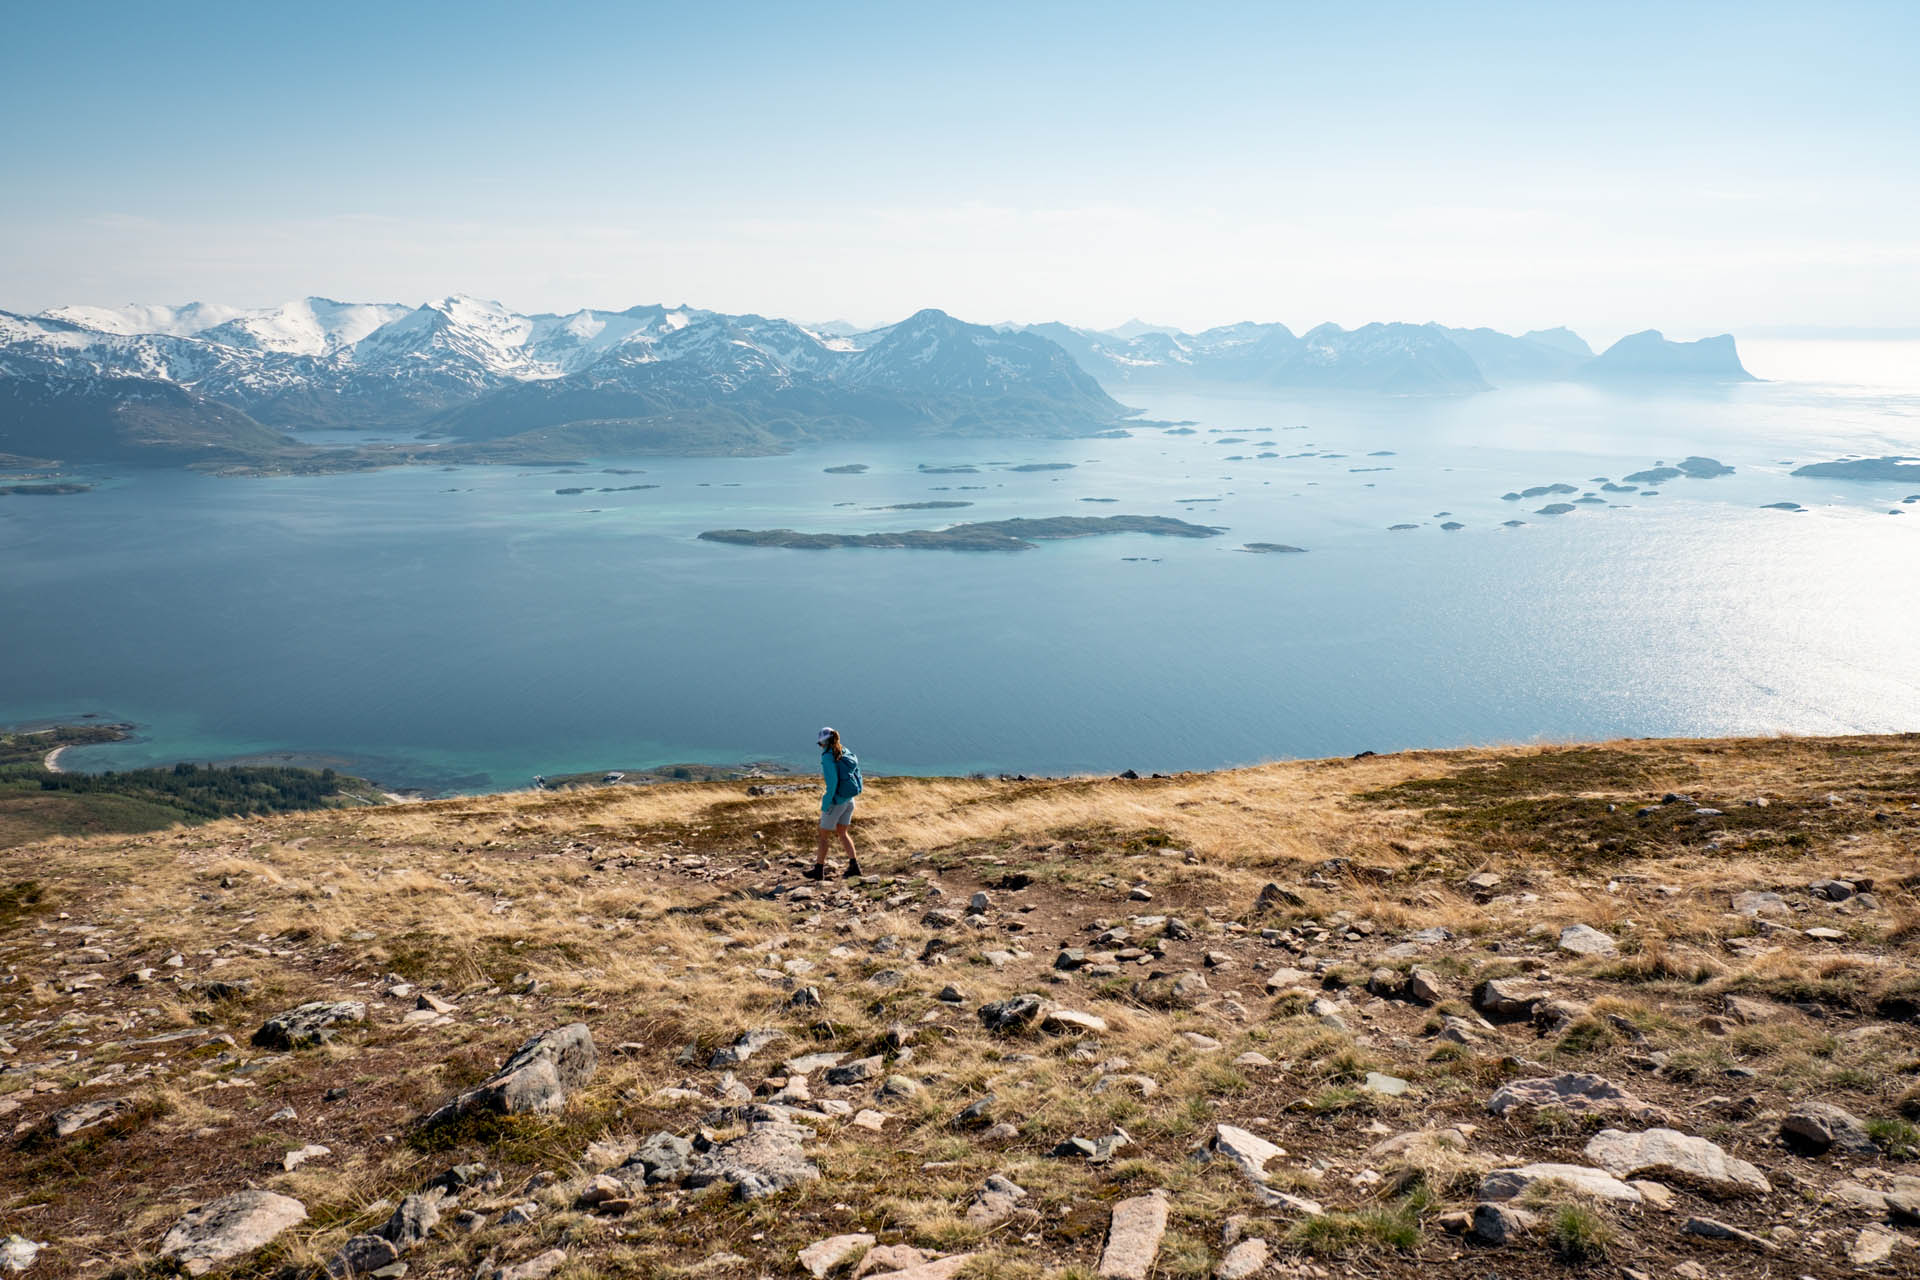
(839, 815)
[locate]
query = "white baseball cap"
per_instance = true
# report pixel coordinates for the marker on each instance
(824, 735)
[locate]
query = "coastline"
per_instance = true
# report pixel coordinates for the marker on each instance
(52, 763)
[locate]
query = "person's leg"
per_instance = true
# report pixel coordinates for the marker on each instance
(820, 854)
(846, 842)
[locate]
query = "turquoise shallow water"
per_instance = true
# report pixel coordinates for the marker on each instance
(465, 629)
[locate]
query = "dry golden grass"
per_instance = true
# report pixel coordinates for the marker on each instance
(638, 910)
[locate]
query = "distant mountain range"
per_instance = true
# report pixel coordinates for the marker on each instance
(220, 386)
(1401, 359)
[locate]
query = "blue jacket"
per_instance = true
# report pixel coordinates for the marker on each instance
(831, 774)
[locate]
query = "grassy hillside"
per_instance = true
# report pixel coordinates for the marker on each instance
(37, 802)
(1338, 1015)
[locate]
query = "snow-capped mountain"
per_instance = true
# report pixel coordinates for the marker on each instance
(681, 379)
(475, 369)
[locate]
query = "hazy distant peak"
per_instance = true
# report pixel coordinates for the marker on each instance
(1560, 338)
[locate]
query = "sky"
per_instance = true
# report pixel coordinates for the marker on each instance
(1697, 167)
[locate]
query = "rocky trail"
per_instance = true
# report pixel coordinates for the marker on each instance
(1645, 1010)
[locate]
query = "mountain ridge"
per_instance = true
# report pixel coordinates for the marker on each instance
(653, 378)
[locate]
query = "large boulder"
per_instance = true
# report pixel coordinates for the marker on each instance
(1667, 1155)
(230, 1227)
(537, 1078)
(310, 1024)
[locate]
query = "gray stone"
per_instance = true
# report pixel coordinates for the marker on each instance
(17, 1253)
(823, 1257)
(1508, 998)
(1756, 903)
(937, 1269)
(1578, 1092)
(1506, 1184)
(1871, 1247)
(85, 1115)
(1389, 1086)
(764, 1161)
(1245, 1259)
(362, 1255)
(1133, 1238)
(230, 1227)
(1500, 1223)
(538, 1267)
(520, 1215)
(1712, 1229)
(414, 1220)
(1190, 989)
(1667, 1155)
(859, 1071)
(1425, 987)
(308, 1025)
(1281, 979)
(536, 1079)
(1071, 1021)
(664, 1157)
(1011, 1014)
(994, 1202)
(1585, 940)
(744, 1046)
(1818, 1127)
(900, 1087)
(1248, 1151)
(975, 1114)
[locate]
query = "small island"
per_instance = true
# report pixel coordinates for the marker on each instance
(936, 505)
(1043, 466)
(1555, 509)
(1272, 548)
(848, 469)
(1020, 534)
(1696, 468)
(45, 489)
(1895, 468)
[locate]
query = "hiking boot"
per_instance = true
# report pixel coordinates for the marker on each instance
(853, 870)
(818, 871)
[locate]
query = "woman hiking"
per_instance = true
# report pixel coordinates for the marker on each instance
(840, 770)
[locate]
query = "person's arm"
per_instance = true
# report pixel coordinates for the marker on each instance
(832, 776)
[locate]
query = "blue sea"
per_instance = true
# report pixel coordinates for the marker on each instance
(465, 629)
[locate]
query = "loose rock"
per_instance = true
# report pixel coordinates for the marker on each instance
(230, 1227)
(1673, 1157)
(1133, 1238)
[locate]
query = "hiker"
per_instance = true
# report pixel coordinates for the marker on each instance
(840, 770)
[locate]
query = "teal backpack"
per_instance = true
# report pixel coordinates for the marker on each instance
(847, 765)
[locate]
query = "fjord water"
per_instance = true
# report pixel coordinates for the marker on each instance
(465, 629)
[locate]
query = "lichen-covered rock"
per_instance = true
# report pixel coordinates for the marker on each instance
(1012, 1014)
(1134, 1233)
(538, 1077)
(1578, 1092)
(1506, 1184)
(1670, 1156)
(1818, 1127)
(764, 1161)
(1508, 998)
(230, 1227)
(308, 1025)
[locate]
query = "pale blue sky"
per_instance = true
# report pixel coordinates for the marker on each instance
(1697, 167)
